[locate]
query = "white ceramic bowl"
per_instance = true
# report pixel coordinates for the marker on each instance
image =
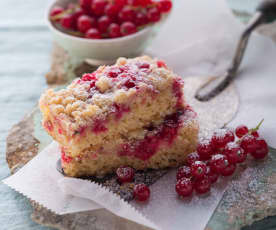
(101, 51)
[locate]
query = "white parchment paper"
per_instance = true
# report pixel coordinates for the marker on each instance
(198, 39)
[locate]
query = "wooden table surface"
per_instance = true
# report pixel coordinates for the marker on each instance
(25, 46)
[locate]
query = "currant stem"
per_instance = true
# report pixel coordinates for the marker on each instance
(68, 11)
(257, 127)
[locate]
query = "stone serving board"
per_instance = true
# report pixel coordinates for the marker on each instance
(243, 203)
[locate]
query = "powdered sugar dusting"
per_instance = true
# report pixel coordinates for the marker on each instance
(215, 113)
(232, 145)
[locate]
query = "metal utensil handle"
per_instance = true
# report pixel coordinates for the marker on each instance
(241, 47)
(266, 13)
(268, 8)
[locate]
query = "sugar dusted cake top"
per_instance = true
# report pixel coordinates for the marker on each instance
(98, 93)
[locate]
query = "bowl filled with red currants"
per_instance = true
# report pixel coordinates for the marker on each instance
(103, 30)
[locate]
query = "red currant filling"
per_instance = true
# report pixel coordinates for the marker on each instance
(99, 126)
(80, 131)
(65, 159)
(164, 133)
(119, 110)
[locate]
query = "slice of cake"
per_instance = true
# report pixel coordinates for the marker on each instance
(132, 113)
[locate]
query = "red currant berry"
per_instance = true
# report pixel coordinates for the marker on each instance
(103, 23)
(229, 170)
(93, 33)
(88, 77)
(141, 19)
(146, 2)
(241, 130)
(198, 169)
(161, 64)
(213, 177)
(125, 174)
(183, 171)
(204, 149)
(67, 21)
(234, 153)
(248, 143)
(114, 30)
(85, 23)
(56, 10)
(218, 162)
(141, 192)
(85, 4)
(114, 72)
(127, 14)
(79, 12)
(255, 134)
(202, 186)
(120, 3)
(111, 10)
(184, 187)
(98, 7)
(128, 28)
(129, 84)
(134, 2)
(143, 65)
(192, 157)
(153, 14)
(165, 5)
(262, 149)
(143, 3)
(221, 137)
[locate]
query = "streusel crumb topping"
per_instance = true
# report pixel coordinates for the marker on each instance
(94, 94)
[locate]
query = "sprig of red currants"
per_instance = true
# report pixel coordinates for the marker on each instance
(99, 19)
(218, 156)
